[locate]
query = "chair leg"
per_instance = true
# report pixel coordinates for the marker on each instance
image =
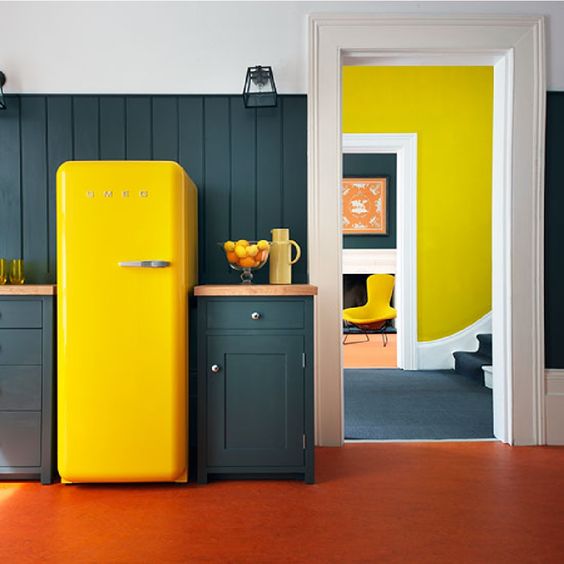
(366, 339)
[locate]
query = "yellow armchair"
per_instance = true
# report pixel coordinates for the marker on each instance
(377, 313)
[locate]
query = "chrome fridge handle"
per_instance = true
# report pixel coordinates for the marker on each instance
(145, 263)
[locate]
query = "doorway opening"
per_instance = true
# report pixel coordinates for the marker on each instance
(514, 49)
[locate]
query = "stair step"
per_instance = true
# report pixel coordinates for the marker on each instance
(485, 340)
(470, 364)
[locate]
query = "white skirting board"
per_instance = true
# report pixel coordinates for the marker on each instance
(554, 406)
(437, 355)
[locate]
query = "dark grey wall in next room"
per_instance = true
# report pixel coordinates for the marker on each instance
(372, 165)
(250, 166)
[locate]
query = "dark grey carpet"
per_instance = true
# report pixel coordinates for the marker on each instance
(426, 404)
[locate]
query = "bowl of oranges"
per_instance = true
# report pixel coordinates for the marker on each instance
(246, 256)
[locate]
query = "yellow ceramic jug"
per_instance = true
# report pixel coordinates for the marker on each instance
(281, 256)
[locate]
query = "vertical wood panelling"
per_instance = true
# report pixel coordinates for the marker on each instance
(294, 203)
(269, 181)
(112, 128)
(553, 231)
(165, 128)
(217, 161)
(249, 166)
(59, 150)
(138, 128)
(10, 202)
(269, 170)
(86, 128)
(243, 171)
(191, 152)
(35, 203)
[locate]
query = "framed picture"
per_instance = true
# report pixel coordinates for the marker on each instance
(365, 206)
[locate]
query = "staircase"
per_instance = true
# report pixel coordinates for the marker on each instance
(470, 364)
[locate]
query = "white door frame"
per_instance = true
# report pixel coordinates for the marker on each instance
(515, 47)
(404, 146)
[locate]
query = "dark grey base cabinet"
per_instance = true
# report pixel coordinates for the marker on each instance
(26, 388)
(255, 387)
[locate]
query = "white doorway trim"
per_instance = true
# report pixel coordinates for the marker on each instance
(515, 47)
(404, 145)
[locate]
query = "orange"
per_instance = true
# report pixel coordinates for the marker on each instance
(247, 262)
(231, 257)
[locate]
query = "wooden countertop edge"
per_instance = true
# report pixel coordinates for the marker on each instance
(256, 290)
(28, 290)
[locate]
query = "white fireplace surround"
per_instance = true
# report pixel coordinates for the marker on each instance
(369, 261)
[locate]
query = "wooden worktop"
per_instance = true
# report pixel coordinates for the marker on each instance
(28, 290)
(256, 290)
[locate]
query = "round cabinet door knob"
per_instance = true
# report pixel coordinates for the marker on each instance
(215, 368)
(255, 315)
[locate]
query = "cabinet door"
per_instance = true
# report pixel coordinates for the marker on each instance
(255, 414)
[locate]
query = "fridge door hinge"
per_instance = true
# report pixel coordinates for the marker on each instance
(303, 360)
(304, 441)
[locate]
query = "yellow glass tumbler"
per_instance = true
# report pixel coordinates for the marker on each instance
(16, 271)
(3, 271)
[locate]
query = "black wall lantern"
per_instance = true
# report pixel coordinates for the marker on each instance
(3, 105)
(260, 90)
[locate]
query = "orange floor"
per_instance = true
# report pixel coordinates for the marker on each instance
(404, 502)
(372, 354)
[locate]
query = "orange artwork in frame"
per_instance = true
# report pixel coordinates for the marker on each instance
(365, 206)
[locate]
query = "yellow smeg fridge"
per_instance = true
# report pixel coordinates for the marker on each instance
(126, 260)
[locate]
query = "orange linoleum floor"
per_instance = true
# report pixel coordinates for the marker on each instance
(404, 502)
(372, 354)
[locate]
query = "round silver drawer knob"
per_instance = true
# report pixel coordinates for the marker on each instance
(255, 315)
(215, 368)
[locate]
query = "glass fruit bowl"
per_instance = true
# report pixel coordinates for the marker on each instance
(246, 256)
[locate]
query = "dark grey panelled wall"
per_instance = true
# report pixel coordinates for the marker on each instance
(554, 231)
(250, 166)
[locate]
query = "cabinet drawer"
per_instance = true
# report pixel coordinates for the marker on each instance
(20, 346)
(19, 313)
(240, 314)
(20, 388)
(20, 438)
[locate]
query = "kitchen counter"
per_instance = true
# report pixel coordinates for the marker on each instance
(28, 290)
(256, 290)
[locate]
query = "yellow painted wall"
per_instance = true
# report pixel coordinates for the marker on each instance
(451, 110)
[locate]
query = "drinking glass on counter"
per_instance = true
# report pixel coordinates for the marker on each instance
(17, 271)
(3, 271)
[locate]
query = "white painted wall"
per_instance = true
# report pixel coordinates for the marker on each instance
(194, 47)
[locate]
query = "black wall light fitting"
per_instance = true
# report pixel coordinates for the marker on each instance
(3, 105)
(259, 90)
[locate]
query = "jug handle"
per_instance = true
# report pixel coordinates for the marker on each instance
(298, 252)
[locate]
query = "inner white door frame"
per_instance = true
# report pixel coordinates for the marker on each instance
(404, 146)
(515, 47)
